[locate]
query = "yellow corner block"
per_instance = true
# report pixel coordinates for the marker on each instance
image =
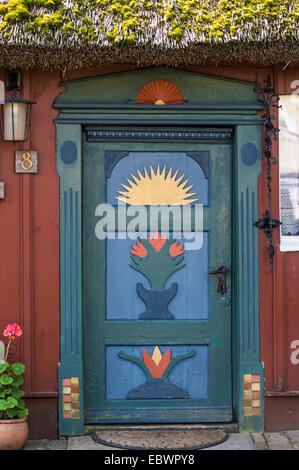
(247, 394)
(256, 403)
(67, 406)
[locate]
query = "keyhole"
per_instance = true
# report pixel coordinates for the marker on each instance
(222, 288)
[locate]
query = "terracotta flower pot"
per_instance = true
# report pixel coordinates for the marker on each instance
(13, 433)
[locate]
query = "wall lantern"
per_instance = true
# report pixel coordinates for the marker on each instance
(15, 111)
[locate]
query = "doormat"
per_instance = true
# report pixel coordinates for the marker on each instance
(161, 439)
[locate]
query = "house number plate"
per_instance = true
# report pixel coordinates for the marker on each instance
(26, 161)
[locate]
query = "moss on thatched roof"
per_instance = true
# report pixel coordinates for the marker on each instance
(74, 33)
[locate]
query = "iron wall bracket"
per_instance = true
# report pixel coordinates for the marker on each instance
(269, 99)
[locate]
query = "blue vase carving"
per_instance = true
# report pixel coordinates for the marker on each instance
(157, 388)
(156, 302)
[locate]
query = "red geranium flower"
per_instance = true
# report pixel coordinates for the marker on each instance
(12, 330)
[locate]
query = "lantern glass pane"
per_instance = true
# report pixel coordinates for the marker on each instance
(15, 121)
(289, 171)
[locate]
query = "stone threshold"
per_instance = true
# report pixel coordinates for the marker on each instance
(229, 427)
(284, 440)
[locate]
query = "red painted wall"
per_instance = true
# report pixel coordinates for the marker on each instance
(279, 305)
(29, 247)
(29, 252)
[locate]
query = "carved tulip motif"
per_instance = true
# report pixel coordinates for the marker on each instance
(157, 364)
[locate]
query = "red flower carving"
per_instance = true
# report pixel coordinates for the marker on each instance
(139, 250)
(176, 249)
(157, 242)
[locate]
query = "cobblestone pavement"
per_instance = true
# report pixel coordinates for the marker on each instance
(286, 440)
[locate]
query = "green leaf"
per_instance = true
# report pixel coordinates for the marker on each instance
(22, 413)
(16, 393)
(3, 366)
(18, 368)
(6, 379)
(21, 404)
(11, 402)
(17, 381)
(12, 413)
(3, 405)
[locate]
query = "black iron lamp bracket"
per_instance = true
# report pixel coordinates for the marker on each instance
(269, 99)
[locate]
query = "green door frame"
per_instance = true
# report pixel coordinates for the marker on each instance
(247, 140)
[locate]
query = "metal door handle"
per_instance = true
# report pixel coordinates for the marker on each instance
(222, 271)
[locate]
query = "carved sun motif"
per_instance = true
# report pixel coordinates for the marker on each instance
(157, 188)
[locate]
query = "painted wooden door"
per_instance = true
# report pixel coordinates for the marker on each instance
(157, 325)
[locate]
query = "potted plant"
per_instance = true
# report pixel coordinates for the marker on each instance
(13, 414)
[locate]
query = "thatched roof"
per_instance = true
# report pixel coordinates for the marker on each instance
(74, 33)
